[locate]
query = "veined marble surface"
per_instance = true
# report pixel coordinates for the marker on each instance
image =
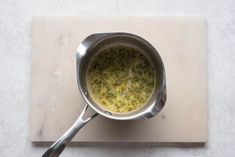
(15, 70)
(181, 42)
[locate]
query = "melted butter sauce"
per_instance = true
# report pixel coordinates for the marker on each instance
(120, 79)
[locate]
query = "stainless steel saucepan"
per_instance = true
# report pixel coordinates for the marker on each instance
(85, 52)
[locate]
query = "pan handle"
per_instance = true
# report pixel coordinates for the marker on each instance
(57, 147)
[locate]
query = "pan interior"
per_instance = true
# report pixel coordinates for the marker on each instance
(120, 79)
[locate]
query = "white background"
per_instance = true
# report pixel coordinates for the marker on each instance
(15, 70)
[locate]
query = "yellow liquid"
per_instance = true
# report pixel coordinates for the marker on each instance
(120, 79)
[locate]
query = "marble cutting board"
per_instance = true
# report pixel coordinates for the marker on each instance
(56, 101)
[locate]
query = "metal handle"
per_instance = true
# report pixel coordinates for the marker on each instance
(57, 147)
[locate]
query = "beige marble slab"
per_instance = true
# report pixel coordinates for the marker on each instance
(56, 101)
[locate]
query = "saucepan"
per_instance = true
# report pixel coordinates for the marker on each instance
(85, 52)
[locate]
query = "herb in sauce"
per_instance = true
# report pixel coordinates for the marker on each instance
(120, 79)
